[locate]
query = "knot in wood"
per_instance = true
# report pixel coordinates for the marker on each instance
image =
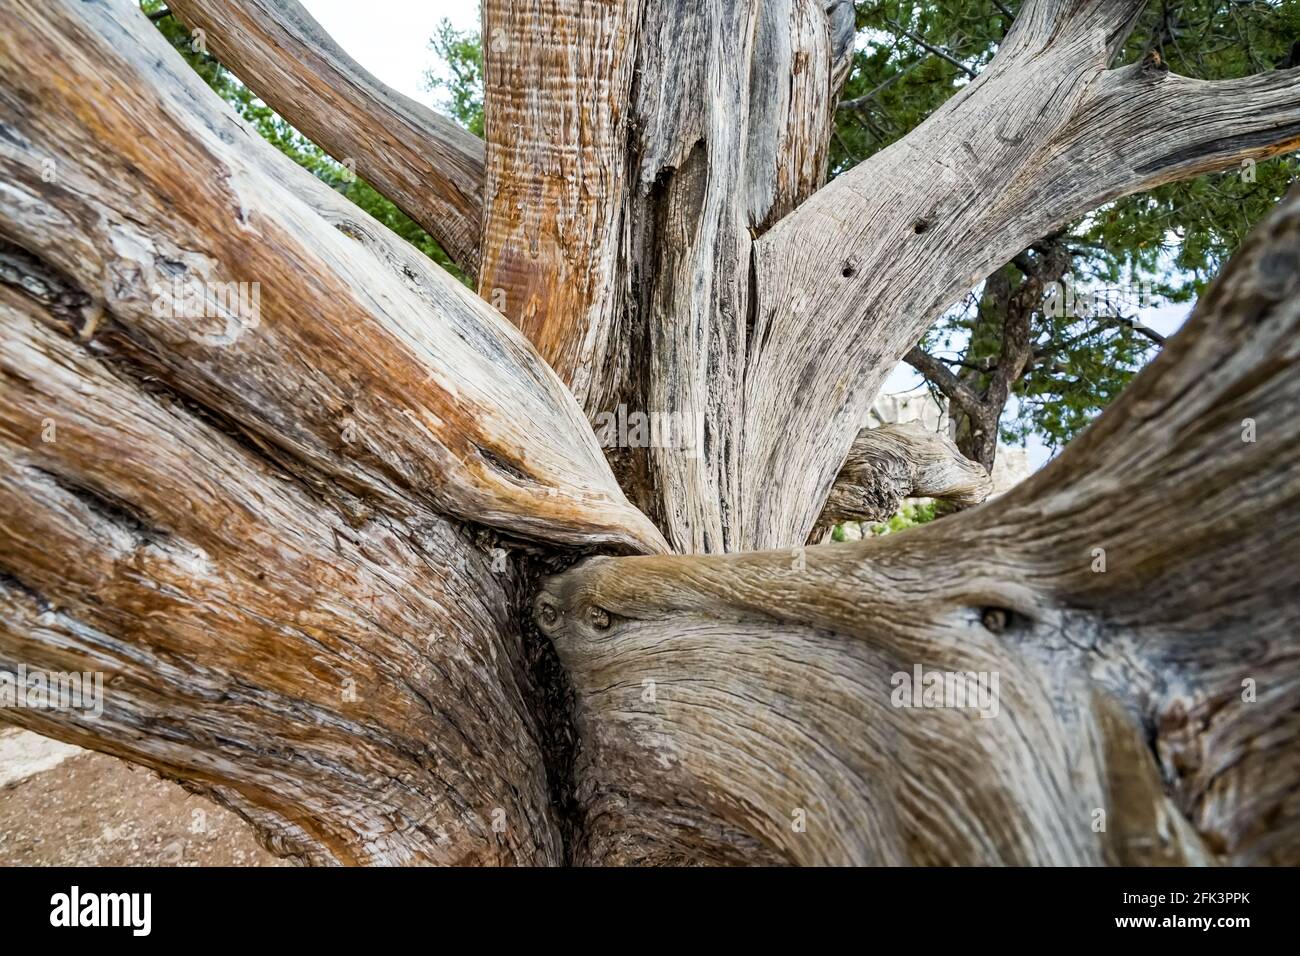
(996, 619)
(547, 613)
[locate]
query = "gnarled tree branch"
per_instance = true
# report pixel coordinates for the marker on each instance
(279, 522)
(356, 687)
(1107, 23)
(953, 388)
(850, 280)
(893, 462)
(1127, 619)
(1146, 126)
(426, 164)
(378, 372)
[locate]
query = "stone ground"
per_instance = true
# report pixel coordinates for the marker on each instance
(63, 806)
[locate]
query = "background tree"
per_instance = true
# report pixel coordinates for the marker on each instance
(460, 53)
(353, 562)
(1161, 246)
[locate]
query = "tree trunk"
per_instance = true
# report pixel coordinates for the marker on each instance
(1143, 667)
(350, 558)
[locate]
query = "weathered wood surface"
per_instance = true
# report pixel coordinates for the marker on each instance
(848, 282)
(557, 75)
(359, 690)
(362, 360)
(732, 121)
(291, 538)
(425, 163)
(774, 320)
(1137, 600)
(893, 462)
(621, 214)
(268, 528)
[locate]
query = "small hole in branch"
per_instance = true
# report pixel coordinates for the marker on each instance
(547, 613)
(996, 619)
(920, 226)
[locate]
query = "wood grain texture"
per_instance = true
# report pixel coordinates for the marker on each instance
(848, 282)
(557, 77)
(291, 540)
(364, 362)
(431, 168)
(269, 529)
(730, 124)
(893, 462)
(688, 260)
(1137, 600)
(793, 88)
(634, 150)
(359, 690)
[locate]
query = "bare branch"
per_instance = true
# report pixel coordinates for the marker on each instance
(324, 674)
(953, 388)
(1171, 127)
(937, 51)
(1104, 24)
(841, 23)
(349, 352)
(852, 278)
(425, 163)
(1143, 330)
(860, 101)
(893, 462)
(1126, 622)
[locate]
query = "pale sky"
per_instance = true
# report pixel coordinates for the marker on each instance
(390, 38)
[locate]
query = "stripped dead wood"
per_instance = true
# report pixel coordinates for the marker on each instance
(361, 359)
(357, 688)
(557, 75)
(850, 281)
(297, 493)
(426, 164)
(893, 462)
(1141, 670)
(264, 520)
